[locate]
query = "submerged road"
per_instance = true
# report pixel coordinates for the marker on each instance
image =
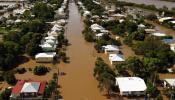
(78, 82)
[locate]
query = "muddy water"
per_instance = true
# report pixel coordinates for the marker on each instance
(78, 82)
(157, 3)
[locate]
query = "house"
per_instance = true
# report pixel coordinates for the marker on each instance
(116, 58)
(50, 38)
(131, 86)
(111, 49)
(48, 47)
(28, 90)
(46, 57)
(170, 82)
(51, 42)
(118, 15)
(99, 35)
(159, 34)
(96, 27)
(86, 13)
(149, 31)
(161, 20)
(141, 26)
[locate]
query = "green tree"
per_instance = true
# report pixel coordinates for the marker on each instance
(10, 78)
(5, 95)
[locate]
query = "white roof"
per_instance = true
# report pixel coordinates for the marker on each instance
(118, 15)
(56, 28)
(111, 47)
(130, 84)
(150, 30)
(141, 26)
(99, 35)
(116, 57)
(50, 41)
(50, 38)
(159, 34)
(104, 31)
(173, 22)
(171, 81)
(46, 45)
(18, 21)
(96, 27)
(46, 54)
(165, 18)
(30, 87)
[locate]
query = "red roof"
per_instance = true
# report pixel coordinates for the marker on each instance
(42, 87)
(18, 87)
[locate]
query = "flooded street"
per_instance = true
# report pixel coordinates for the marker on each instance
(78, 82)
(157, 3)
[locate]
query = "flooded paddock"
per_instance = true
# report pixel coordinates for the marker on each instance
(78, 82)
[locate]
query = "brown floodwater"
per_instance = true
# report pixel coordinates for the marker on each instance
(157, 3)
(78, 82)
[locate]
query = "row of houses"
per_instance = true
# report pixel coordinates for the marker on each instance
(112, 50)
(126, 85)
(50, 42)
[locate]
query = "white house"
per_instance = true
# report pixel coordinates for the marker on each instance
(96, 27)
(52, 33)
(50, 38)
(45, 57)
(48, 47)
(165, 19)
(51, 42)
(99, 35)
(118, 15)
(169, 82)
(111, 49)
(158, 34)
(149, 31)
(131, 86)
(141, 26)
(86, 13)
(116, 58)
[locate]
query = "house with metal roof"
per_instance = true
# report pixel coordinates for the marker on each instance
(116, 58)
(131, 86)
(111, 49)
(28, 90)
(169, 82)
(46, 57)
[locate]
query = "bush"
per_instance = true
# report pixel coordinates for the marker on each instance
(40, 70)
(10, 78)
(20, 70)
(89, 37)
